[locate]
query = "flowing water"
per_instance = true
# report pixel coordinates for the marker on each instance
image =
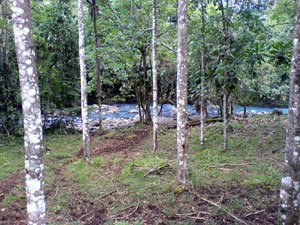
(125, 108)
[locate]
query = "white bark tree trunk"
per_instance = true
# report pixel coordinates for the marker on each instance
(154, 74)
(290, 183)
(34, 166)
(182, 71)
(84, 108)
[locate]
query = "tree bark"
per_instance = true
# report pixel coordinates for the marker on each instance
(98, 63)
(290, 183)
(31, 107)
(4, 55)
(202, 91)
(146, 106)
(84, 108)
(182, 71)
(225, 94)
(154, 77)
(225, 119)
(4, 34)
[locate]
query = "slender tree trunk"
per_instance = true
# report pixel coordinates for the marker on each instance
(225, 95)
(4, 53)
(98, 64)
(231, 105)
(34, 166)
(154, 76)
(6, 37)
(202, 91)
(225, 119)
(5, 34)
(182, 71)
(84, 108)
(245, 111)
(138, 97)
(290, 183)
(146, 106)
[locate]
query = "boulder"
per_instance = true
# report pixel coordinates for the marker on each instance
(104, 108)
(173, 112)
(113, 108)
(95, 107)
(194, 118)
(134, 111)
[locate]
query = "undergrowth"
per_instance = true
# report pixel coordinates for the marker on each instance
(139, 186)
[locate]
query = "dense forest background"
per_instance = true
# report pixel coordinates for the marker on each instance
(212, 54)
(256, 53)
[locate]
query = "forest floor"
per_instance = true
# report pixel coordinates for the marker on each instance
(127, 183)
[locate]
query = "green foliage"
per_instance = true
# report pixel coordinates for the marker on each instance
(55, 34)
(248, 41)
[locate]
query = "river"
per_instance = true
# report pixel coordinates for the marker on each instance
(126, 111)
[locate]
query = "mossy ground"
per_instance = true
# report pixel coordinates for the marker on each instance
(134, 185)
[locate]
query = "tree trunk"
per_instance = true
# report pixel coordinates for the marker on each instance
(202, 91)
(4, 34)
(154, 77)
(182, 71)
(290, 183)
(226, 94)
(98, 64)
(4, 55)
(245, 111)
(231, 106)
(34, 166)
(225, 119)
(138, 99)
(84, 108)
(146, 106)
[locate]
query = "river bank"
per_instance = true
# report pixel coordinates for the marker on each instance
(119, 116)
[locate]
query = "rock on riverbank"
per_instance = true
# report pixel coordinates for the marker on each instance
(119, 123)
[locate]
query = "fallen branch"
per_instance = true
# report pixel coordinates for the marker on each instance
(152, 170)
(140, 167)
(122, 217)
(197, 218)
(220, 200)
(255, 213)
(216, 205)
(192, 213)
(105, 195)
(229, 165)
(84, 215)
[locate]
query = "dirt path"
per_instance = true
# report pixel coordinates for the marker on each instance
(123, 141)
(13, 214)
(10, 182)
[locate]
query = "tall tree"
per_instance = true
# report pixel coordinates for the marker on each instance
(34, 166)
(225, 94)
(290, 183)
(182, 72)
(94, 12)
(202, 91)
(84, 108)
(4, 51)
(154, 74)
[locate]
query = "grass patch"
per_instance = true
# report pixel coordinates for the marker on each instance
(142, 184)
